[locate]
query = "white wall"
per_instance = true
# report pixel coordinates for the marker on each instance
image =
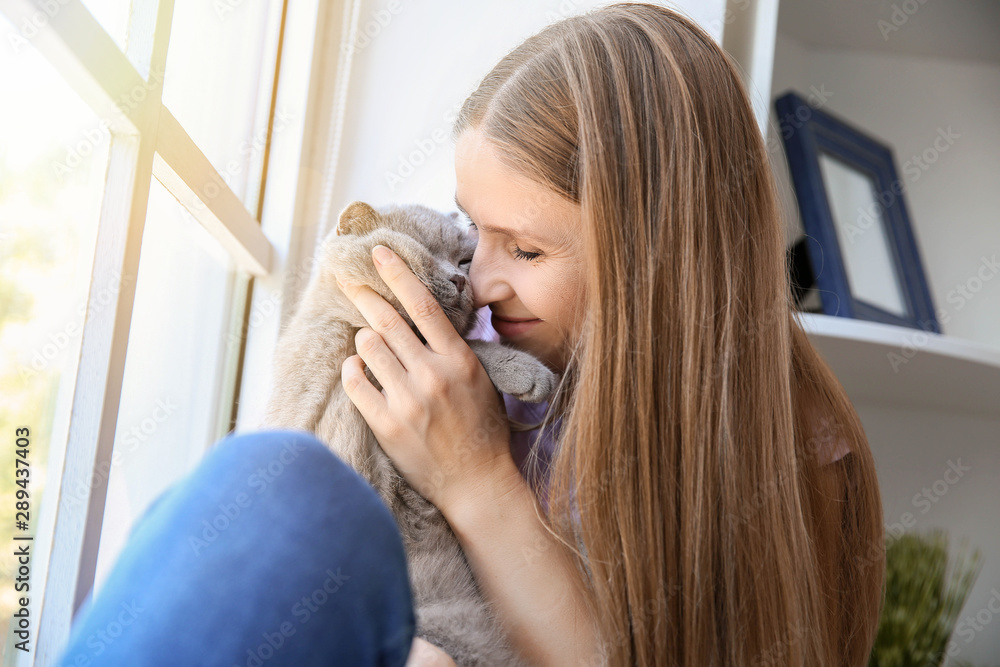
(408, 82)
(953, 205)
(954, 199)
(913, 452)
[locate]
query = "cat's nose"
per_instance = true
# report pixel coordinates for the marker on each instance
(459, 281)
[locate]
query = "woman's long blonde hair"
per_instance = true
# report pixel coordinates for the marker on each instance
(701, 421)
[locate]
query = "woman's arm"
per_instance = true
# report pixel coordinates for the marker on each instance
(437, 418)
(525, 572)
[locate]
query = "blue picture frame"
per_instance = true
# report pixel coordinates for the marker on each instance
(809, 133)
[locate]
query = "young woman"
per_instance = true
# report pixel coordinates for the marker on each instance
(727, 502)
(710, 497)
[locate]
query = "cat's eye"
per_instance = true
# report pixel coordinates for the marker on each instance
(465, 264)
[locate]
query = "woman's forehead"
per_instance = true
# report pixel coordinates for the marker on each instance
(501, 200)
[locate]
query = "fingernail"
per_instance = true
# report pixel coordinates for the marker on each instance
(382, 254)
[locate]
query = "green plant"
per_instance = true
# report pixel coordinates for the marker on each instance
(923, 598)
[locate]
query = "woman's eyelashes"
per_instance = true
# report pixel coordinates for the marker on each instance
(521, 254)
(518, 253)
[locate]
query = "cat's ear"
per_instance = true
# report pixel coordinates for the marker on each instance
(358, 218)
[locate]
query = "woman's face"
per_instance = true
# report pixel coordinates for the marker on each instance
(528, 262)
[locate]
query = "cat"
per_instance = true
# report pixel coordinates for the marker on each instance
(307, 394)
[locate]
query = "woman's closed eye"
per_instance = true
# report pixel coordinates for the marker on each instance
(521, 254)
(518, 253)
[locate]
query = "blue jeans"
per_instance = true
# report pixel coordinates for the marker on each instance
(273, 551)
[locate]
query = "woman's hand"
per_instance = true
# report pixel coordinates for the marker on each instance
(438, 416)
(425, 654)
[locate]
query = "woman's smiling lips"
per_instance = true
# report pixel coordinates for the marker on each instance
(511, 328)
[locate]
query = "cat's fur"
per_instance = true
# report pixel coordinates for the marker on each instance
(308, 394)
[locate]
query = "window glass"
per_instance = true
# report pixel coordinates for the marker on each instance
(176, 381)
(53, 158)
(112, 15)
(217, 85)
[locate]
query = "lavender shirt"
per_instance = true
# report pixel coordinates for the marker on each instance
(521, 443)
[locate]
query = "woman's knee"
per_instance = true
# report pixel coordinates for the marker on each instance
(270, 450)
(280, 458)
(295, 470)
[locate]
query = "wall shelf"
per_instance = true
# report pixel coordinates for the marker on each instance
(908, 368)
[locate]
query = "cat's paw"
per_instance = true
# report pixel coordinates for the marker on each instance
(515, 372)
(533, 385)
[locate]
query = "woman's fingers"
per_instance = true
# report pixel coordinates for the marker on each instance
(417, 300)
(369, 401)
(384, 364)
(385, 321)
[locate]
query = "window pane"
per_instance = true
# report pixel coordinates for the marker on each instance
(220, 65)
(177, 369)
(53, 158)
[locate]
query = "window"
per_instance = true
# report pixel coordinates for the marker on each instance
(136, 244)
(51, 185)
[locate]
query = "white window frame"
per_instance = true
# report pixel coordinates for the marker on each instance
(146, 142)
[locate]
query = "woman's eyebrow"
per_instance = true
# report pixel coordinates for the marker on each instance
(502, 230)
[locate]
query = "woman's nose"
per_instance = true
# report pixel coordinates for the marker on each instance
(459, 281)
(487, 281)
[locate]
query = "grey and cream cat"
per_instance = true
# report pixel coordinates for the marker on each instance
(307, 394)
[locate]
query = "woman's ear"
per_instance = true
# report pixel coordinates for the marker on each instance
(358, 218)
